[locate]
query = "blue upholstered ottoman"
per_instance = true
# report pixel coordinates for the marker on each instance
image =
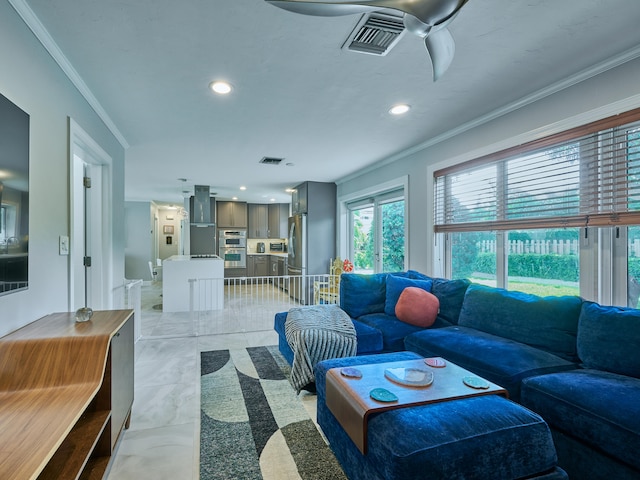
(472, 438)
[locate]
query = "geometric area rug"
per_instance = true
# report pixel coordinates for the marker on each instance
(253, 425)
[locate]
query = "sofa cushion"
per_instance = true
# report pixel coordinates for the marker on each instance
(473, 438)
(609, 339)
(361, 294)
(417, 307)
(393, 330)
(599, 408)
(497, 359)
(548, 323)
(369, 338)
(450, 293)
(395, 286)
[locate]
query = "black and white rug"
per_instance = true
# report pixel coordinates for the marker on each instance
(253, 425)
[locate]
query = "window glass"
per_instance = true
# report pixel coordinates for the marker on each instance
(633, 266)
(392, 236)
(361, 226)
(473, 256)
(544, 262)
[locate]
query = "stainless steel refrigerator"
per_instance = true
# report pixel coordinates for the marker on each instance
(297, 257)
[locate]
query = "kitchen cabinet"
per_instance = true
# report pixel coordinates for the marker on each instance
(299, 199)
(273, 266)
(257, 265)
(258, 220)
(277, 268)
(235, 272)
(121, 379)
(231, 214)
(278, 217)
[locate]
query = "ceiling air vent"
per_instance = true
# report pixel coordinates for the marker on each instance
(375, 34)
(271, 160)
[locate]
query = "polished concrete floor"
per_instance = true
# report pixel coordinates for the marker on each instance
(163, 439)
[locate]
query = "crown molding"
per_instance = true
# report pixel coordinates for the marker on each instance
(41, 33)
(586, 74)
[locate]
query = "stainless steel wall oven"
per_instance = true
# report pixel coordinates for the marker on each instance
(233, 248)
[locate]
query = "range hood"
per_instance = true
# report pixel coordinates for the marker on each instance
(202, 207)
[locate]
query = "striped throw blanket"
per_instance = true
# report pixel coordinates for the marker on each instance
(317, 333)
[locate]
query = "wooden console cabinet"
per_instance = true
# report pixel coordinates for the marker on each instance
(66, 391)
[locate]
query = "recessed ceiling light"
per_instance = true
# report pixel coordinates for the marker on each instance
(220, 87)
(234, 198)
(272, 199)
(399, 109)
(243, 187)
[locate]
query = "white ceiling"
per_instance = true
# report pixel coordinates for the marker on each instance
(297, 94)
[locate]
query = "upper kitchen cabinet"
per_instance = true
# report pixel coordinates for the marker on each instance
(278, 215)
(232, 214)
(299, 199)
(258, 220)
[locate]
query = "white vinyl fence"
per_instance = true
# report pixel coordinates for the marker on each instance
(250, 303)
(128, 296)
(560, 247)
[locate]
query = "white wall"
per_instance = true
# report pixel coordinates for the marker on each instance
(34, 82)
(609, 93)
(137, 240)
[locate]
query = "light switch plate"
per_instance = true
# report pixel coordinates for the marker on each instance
(64, 245)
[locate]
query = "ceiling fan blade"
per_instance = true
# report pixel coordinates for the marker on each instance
(441, 48)
(321, 9)
(431, 12)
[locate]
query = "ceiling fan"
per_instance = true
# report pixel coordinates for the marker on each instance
(426, 18)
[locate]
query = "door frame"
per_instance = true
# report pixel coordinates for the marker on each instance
(84, 149)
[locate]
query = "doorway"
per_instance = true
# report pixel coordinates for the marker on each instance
(90, 219)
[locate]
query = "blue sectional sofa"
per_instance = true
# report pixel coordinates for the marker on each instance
(575, 363)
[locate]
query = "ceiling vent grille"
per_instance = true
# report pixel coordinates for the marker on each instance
(375, 34)
(271, 160)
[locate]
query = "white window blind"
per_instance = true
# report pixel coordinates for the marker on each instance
(588, 176)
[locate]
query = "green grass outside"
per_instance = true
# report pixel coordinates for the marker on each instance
(539, 289)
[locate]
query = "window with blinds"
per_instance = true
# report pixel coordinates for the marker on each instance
(588, 176)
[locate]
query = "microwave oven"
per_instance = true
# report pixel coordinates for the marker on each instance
(277, 247)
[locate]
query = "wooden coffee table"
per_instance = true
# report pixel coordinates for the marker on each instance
(349, 400)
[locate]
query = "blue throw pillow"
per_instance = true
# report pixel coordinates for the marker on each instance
(451, 295)
(395, 286)
(609, 339)
(361, 294)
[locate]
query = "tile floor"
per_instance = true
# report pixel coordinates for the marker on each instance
(163, 439)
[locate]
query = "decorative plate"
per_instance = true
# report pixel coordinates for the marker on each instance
(414, 377)
(383, 395)
(350, 372)
(476, 382)
(435, 362)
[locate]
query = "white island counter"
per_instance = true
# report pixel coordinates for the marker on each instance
(176, 273)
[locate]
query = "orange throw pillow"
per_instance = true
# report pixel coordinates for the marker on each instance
(417, 307)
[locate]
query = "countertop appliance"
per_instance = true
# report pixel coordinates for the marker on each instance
(233, 248)
(260, 247)
(277, 247)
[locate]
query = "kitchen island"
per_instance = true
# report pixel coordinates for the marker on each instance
(205, 272)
